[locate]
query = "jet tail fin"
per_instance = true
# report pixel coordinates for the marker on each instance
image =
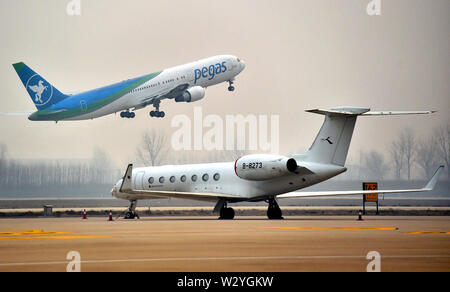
(333, 141)
(41, 92)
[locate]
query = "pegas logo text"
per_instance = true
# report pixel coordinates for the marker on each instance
(210, 71)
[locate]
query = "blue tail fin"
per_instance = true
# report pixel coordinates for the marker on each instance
(42, 93)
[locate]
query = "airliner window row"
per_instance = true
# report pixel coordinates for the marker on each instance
(145, 87)
(156, 84)
(172, 179)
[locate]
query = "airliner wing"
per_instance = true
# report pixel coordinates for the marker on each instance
(127, 188)
(174, 93)
(428, 187)
(177, 91)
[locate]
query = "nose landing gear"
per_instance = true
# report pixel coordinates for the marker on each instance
(230, 87)
(131, 212)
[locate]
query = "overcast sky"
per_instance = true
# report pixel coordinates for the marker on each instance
(299, 55)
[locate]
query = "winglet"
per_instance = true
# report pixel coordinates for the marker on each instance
(126, 181)
(430, 185)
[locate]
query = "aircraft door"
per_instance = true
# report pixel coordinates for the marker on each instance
(138, 180)
(83, 105)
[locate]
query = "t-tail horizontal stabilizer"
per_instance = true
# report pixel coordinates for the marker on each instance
(428, 187)
(333, 141)
(356, 111)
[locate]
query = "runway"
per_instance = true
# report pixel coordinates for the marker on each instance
(246, 244)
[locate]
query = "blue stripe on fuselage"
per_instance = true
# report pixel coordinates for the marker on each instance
(93, 96)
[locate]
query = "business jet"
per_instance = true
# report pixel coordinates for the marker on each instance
(258, 177)
(185, 83)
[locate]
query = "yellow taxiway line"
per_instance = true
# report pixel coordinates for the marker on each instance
(340, 228)
(53, 237)
(40, 234)
(430, 232)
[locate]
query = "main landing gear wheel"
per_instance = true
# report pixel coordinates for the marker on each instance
(127, 114)
(226, 213)
(157, 114)
(231, 87)
(274, 211)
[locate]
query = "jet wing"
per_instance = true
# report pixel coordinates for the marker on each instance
(175, 92)
(126, 187)
(428, 187)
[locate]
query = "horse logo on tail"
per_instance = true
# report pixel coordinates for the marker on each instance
(38, 89)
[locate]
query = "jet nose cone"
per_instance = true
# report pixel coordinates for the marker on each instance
(242, 64)
(115, 190)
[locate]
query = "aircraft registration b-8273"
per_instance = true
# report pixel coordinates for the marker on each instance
(185, 83)
(259, 177)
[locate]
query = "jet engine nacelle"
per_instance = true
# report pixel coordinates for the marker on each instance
(260, 167)
(192, 94)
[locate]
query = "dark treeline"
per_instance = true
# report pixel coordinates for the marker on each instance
(41, 173)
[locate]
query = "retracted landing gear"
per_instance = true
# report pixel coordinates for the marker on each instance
(274, 211)
(127, 114)
(157, 113)
(230, 87)
(131, 213)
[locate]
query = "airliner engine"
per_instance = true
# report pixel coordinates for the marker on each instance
(192, 94)
(260, 167)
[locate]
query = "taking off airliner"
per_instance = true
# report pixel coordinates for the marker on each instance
(259, 177)
(185, 83)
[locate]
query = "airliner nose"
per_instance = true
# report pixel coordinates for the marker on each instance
(241, 64)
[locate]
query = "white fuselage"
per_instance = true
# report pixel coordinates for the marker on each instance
(221, 178)
(191, 74)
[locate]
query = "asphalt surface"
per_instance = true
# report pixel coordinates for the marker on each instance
(319, 243)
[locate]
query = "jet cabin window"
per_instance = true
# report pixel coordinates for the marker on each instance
(151, 180)
(172, 179)
(205, 177)
(216, 176)
(194, 177)
(183, 178)
(161, 179)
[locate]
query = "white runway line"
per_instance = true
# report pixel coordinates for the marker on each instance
(224, 259)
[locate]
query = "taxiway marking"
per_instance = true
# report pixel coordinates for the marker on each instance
(339, 228)
(53, 237)
(430, 232)
(31, 232)
(38, 234)
(312, 257)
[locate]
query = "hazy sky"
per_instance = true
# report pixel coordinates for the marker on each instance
(299, 55)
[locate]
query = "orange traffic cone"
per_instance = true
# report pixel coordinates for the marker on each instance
(110, 216)
(84, 214)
